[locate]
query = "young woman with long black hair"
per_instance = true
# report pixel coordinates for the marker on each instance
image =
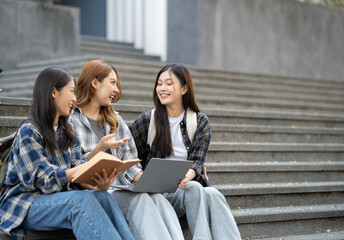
(173, 95)
(44, 155)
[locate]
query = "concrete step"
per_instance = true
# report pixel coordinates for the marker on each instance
(150, 69)
(274, 152)
(238, 132)
(278, 221)
(132, 72)
(239, 102)
(103, 43)
(133, 81)
(266, 172)
(25, 90)
(22, 86)
(130, 110)
(111, 47)
(282, 194)
(263, 133)
(317, 235)
(206, 74)
(232, 84)
(95, 52)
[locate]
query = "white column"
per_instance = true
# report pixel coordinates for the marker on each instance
(129, 21)
(119, 22)
(155, 27)
(110, 20)
(138, 24)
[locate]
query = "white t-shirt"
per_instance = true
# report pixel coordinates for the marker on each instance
(179, 150)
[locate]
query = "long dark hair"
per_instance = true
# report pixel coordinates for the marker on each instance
(99, 70)
(162, 140)
(43, 109)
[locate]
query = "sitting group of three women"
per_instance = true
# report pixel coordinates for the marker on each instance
(66, 129)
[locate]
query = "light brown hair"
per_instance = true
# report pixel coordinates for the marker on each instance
(97, 69)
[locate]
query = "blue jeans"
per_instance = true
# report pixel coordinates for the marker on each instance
(205, 206)
(90, 214)
(150, 216)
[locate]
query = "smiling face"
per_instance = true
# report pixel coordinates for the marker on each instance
(64, 100)
(169, 89)
(105, 90)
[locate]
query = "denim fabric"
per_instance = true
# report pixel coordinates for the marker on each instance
(204, 207)
(90, 214)
(150, 216)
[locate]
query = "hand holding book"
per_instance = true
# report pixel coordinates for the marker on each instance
(99, 162)
(103, 182)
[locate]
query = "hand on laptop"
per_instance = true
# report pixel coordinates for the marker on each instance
(137, 177)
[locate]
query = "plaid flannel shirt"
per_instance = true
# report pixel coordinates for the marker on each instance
(197, 150)
(89, 140)
(33, 171)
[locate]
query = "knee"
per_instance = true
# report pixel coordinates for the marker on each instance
(213, 194)
(194, 188)
(140, 200)
(157, 197)
(101, 195)
(193, 185)
(83, 200)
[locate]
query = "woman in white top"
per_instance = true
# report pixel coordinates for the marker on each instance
(173, 95)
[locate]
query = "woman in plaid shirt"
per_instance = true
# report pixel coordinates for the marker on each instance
(43, 157)
(173, 94)
(100, 128)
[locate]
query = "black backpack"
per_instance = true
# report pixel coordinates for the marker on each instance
(5, 147)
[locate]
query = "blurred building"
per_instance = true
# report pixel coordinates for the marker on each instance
(278, 37)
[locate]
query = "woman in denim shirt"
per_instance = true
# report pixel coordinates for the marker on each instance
(173, 95)
(43, 157)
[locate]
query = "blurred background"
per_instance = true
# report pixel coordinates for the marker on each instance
(280, 37)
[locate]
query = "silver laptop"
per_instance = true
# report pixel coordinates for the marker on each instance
(160, 176)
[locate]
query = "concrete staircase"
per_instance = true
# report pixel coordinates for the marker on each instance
(277, 150)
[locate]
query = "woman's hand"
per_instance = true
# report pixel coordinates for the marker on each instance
(189, 176)
(103, 182)
(183, 183)
(106, 143)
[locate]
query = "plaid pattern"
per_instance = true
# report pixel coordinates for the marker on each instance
(197, 150)
(89, 140)
(33, 171)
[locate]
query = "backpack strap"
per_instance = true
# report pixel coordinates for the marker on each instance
(191, 123)
(191, 126)
(151, 129)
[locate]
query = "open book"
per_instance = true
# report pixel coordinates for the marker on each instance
(100, 161)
